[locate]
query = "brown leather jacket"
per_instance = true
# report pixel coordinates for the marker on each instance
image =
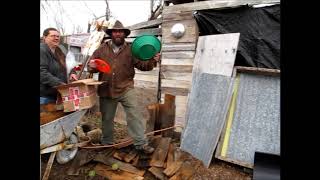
(122, 69)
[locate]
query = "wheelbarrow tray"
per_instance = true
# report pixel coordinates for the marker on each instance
(59, 130)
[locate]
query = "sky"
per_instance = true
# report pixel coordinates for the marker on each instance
(75, 15)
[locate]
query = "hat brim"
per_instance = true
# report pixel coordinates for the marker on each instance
(126, 31)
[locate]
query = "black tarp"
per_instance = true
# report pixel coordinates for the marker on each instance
(259, 28)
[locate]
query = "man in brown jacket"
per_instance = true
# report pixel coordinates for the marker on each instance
(118, 85)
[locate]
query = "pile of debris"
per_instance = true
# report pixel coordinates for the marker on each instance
(166, 162)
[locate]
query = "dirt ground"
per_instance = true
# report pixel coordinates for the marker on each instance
(217, 170)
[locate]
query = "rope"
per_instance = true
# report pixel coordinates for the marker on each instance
(127, 141)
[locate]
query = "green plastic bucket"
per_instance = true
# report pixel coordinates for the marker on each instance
(144, 47)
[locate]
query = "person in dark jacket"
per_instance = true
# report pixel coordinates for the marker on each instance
(118, 86)
(52, 66)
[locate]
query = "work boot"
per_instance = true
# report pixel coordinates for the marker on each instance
(145, 148)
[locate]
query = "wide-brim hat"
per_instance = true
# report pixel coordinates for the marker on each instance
(118, 25)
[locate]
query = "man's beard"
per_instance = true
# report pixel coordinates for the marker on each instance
(118, 41)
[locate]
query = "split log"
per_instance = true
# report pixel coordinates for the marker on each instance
(157, 172)
(160, 154)
(122, 166)
(105, 171)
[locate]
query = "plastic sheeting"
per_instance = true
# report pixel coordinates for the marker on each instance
(259, 29)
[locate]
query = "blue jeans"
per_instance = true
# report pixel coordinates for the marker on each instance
(46, 100)
(108, 107)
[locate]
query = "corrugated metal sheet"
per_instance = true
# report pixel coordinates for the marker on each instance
(207, 109)
(256, 123)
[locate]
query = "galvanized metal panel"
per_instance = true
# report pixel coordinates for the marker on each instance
(256, 123)
(59, 130)
(207, 109)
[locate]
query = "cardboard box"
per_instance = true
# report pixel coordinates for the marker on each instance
(81, 94)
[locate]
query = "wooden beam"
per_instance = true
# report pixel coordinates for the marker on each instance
(146, 24)
(176, 61)
(153, 31)
(178, 47)
(177, 76)
(175, 84)
(216, 4)
(153, 110)
(155, 14)
(146, 81)
(131, 39)
(260, 71)
(167, 114)
(181, 106)
(178, 55)
(176, 68)
(178, 16)
(49, 165)
(154, 72)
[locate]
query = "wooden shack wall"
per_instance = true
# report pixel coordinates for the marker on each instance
(177, 59)
(178, 54)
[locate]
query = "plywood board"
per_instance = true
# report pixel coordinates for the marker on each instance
(216, 54)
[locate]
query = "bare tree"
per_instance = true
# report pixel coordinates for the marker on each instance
(107, 11)
(57, 14)
(156, 8)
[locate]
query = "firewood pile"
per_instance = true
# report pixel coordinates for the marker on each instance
(166, 162)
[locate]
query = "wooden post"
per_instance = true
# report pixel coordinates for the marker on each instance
(162, 116)
(167, 114)
(153, 110)
(49, 165)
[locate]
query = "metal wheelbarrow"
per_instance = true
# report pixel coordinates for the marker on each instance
(58, 138)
